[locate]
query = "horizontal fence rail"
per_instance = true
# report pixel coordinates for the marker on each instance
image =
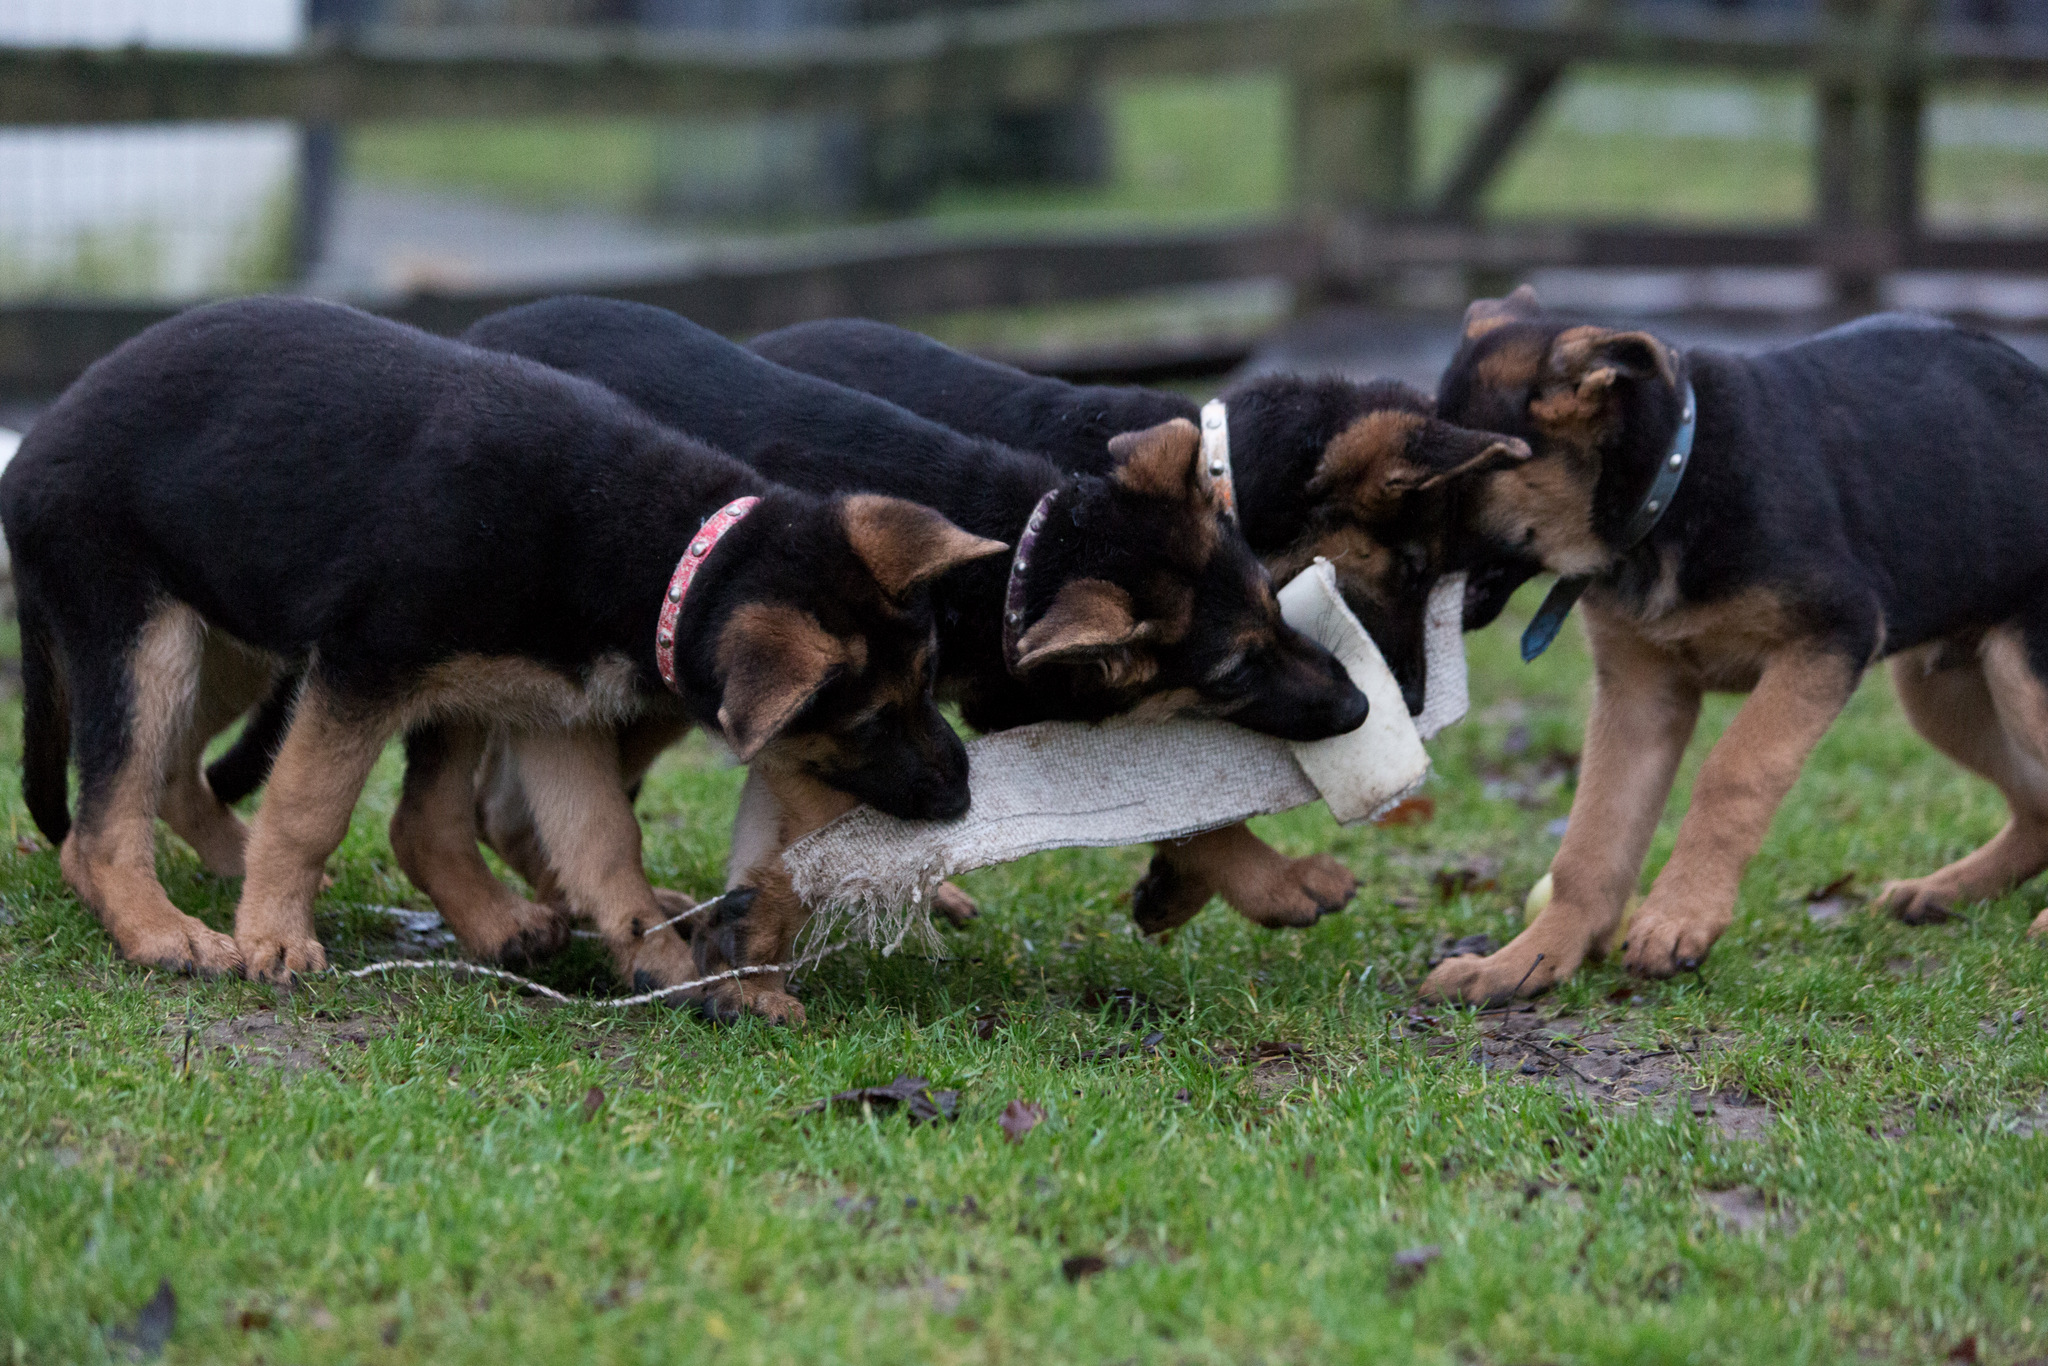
(896, 274)
(1007, 55)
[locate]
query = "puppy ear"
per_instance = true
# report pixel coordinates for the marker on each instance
(904, 544)
(1484, 315)
(1460, 453)
(1164, 461)
(1585, 365)
(772, 659)
(1591, 359)
(1087, 615)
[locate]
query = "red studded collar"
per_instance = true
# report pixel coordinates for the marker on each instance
(701, 546)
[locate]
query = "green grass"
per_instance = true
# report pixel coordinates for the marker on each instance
(434, 1194)
(1189, 149)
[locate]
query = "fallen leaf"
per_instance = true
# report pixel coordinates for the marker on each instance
(145, 1338)
(593, 1101)
(1020, 1117)
(913, 1093)
(1149, 1044)
(1088, 1264)
(1476, 874)
(1830, 903)
(1410, 1263)
(1966, 1350)
(26, 844)
(1273, 1048)
(1414, 811)
(1307, 1167)
(985, 1026)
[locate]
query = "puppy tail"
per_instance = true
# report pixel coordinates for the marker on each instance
(45, 725)
(243, 768)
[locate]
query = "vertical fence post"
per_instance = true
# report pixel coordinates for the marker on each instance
(1354, 156)
(1868, 149)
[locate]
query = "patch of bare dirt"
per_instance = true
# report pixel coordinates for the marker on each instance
(266, 1040)
(1589, 1062)
(1745, 1209)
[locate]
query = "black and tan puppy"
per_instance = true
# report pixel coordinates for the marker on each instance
(1364, 475)
(422, 529)
(1878, 491)
(1129, 590)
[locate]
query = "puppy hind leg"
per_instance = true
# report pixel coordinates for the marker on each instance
(319, 772)
(132, 712)
(434, 836)
(569, 779)
(231, 680)
(1958, 709)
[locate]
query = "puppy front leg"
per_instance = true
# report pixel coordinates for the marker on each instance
(1261, 884)
(779, 805)
(1797, 697)
(1644, 711)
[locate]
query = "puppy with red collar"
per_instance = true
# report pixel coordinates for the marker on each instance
(1770, 524)
(422, 532)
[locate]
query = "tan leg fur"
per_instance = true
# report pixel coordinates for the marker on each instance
(1990, 715)
(109, 858)
(434, 835)
(1644, 710)
(1258, 881)
(314, 782)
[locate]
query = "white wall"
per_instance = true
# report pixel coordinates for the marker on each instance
(168, 209)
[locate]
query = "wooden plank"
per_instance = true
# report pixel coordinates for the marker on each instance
(891, 275)
(1521, 99)
(1017, 54)
(878, 273)
(1012, 54)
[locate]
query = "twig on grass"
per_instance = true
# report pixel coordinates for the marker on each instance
(615, 1003)
(1513, 996)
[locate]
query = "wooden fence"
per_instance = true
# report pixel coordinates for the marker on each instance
(1359, 211)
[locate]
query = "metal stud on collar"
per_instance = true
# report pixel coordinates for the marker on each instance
(1013, 595)
(706, 540)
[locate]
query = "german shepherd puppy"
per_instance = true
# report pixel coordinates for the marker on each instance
(422, 529)
(1361, 474)
(1130, 588)
(1800, 545)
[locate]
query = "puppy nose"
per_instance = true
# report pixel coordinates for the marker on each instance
(1351, 713)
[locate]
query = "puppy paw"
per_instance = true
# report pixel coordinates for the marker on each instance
(1296, 894)
(954, 904)
(1521, 969)
(1917, 901)
(539, 933)
(730, 1002)
(2039, 929)
(188, 947)
(660, 960)
(1166, 898)
(1663, 943)
(279, 958)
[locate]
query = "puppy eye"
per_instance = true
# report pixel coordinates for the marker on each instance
(1231, 664)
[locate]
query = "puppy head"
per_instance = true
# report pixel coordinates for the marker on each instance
(1142, 593)
(1381, 506)
(1597, 406)
(824, 657)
